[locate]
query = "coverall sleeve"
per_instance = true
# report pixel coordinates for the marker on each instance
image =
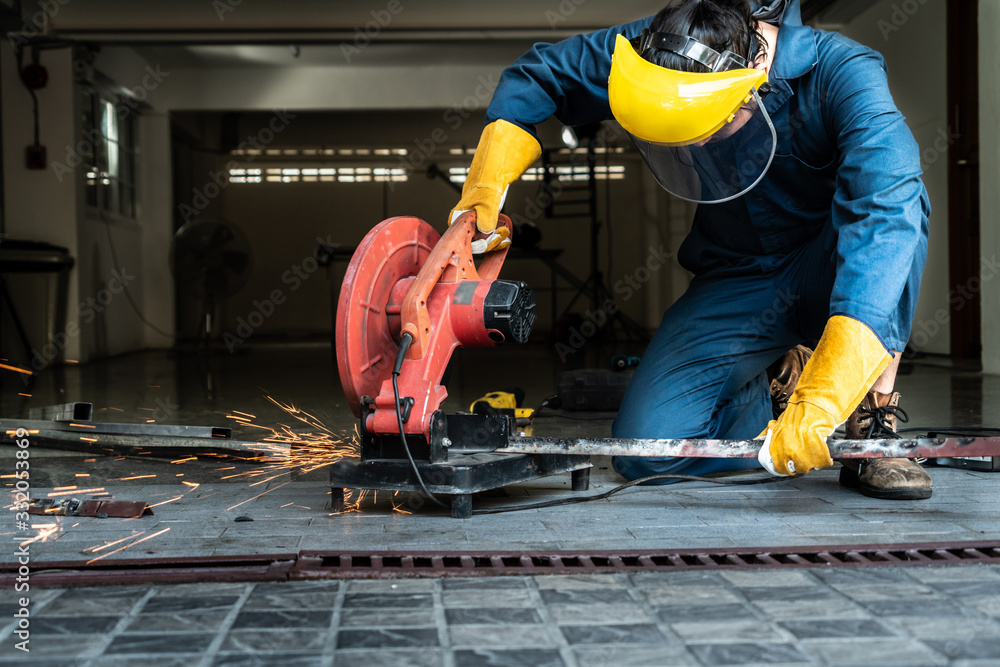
(568, 80)
(880, 206)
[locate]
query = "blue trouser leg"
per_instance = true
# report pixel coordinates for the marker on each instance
(703, 375)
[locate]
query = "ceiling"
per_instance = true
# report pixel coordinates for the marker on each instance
(287, 33)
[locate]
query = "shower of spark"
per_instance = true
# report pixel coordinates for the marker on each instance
(302, 451)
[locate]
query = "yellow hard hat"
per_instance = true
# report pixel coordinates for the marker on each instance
(671, 107)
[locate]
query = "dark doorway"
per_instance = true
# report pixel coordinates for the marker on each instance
(963, 178)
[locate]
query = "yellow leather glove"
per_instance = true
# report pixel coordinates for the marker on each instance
(846, 363)
(505, 152)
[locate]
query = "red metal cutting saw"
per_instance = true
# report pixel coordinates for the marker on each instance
(405, 281)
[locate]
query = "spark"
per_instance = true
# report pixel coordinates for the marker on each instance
(82, 425)
(127, 479)
(46, 530)
(25, 371)
(148, 537)
(94, 550)
(77, 491)
(167, 501)
(117, 409)
(25, 395)
(88, 439)
(82, 474)
(190, 458)
(259, 495)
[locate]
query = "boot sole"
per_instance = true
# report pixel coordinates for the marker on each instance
(850, 479)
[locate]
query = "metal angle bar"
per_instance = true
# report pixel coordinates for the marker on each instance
(156, 445)
(114, 428)
(747, 449)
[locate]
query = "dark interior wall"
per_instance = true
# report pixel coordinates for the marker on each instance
(283, 221)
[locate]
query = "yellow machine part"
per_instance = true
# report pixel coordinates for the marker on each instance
(502, 400)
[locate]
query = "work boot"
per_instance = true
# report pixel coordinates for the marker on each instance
(889, 479)
(784, 375)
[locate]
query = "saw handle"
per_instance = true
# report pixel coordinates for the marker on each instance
(450, 261)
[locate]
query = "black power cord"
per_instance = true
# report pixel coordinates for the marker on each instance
(125, 287)
(404, 345)
(586, 499)
(19, 54)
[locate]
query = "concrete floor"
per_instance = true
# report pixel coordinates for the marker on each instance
(290, 513)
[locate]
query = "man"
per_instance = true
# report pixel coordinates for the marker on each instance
(812, 224)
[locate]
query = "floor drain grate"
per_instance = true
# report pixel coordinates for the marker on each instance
(355, 564)
(369, 564)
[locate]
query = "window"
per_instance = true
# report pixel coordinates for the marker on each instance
(108, 153)
(318, 174)
(366, 166)
(614, 172)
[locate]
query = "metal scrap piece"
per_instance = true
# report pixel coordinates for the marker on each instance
(102, 509)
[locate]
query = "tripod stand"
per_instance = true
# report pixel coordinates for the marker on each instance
(594, 286)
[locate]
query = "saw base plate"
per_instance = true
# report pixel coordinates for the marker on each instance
(458, 478)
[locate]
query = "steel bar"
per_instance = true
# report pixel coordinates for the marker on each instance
(114, 428)
(747, 449)
(148, 445)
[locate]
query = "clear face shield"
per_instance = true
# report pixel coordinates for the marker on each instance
(726, 165)
(706, 137)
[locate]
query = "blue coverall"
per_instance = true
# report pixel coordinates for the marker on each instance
(838, 226)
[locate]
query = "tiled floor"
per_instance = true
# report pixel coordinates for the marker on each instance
(892, 616)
